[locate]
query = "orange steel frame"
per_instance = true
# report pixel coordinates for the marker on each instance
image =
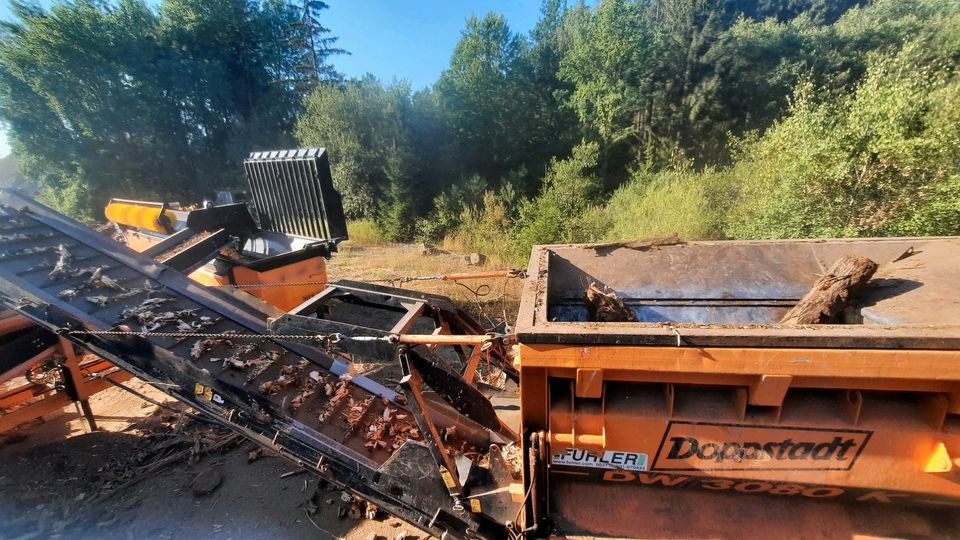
(30, 401)
(898, 409)
(913, 440)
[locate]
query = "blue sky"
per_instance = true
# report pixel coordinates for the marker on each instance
(409, 39)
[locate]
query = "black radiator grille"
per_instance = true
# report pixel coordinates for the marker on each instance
(292, 192)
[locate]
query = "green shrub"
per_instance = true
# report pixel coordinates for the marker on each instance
(365, 232)
(483, 229)
(689, 204)
(73, 199)
(564, 211)
(880, 161)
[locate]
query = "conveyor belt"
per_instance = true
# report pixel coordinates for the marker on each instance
(285, 395)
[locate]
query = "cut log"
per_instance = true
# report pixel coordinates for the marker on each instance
(832, 292)
(606, 306)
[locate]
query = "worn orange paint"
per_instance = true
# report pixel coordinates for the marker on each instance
(309, 277)
(891, 409)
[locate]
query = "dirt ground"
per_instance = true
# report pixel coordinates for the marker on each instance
(56, 481)
(490, 300)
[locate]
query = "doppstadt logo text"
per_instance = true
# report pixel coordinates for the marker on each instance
(688, 446)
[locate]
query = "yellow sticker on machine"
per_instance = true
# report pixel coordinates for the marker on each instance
(475, 506)
(208, 393)
(198, 389)
(447, 478)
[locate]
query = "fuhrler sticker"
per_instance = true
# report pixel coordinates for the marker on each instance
(628, 461)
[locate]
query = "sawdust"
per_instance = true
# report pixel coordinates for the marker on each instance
(193, 240)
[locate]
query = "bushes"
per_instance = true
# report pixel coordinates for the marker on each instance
(868, 145)
(691, 205)
(880, 161)
(365, 232)
(565, 210)
(485, 229)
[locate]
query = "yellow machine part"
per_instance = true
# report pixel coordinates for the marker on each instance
(140, 216)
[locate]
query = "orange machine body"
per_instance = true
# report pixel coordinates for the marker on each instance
(709, 395)
(284, 287)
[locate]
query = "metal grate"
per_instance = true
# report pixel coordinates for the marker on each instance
(292, 193)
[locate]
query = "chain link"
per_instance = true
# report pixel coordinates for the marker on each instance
(276, 284)
(328, 338)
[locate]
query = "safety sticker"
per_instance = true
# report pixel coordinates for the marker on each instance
(207, 393)
(447, 478)
(611, 459)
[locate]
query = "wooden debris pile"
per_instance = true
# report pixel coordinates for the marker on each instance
(166, 446)
(391, 429)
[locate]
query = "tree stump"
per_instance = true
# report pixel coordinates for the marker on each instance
(832, 292)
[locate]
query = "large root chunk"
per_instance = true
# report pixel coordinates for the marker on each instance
(832, 292)
(606, 306)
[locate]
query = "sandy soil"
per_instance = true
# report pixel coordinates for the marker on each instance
(490, 300)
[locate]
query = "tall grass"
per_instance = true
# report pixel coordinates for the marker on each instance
(693, 205)
(365, 232)
(485, 230)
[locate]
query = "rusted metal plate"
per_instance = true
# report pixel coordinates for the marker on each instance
(733, 293)
(668, 509)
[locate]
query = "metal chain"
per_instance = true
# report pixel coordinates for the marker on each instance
(328, 338)
(276, 284)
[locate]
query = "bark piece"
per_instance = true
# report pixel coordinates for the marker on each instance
(642, 244)
(832, 292)
(606, 306)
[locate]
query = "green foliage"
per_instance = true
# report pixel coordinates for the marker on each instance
(484, 228)
(499, 106)
(365, 232)
(622, 119)
(610, 66)
(398, 221)
(365, 127)
(449, 207)
(690, 205)
(562, 212)
(880, 161)
(116, 99)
